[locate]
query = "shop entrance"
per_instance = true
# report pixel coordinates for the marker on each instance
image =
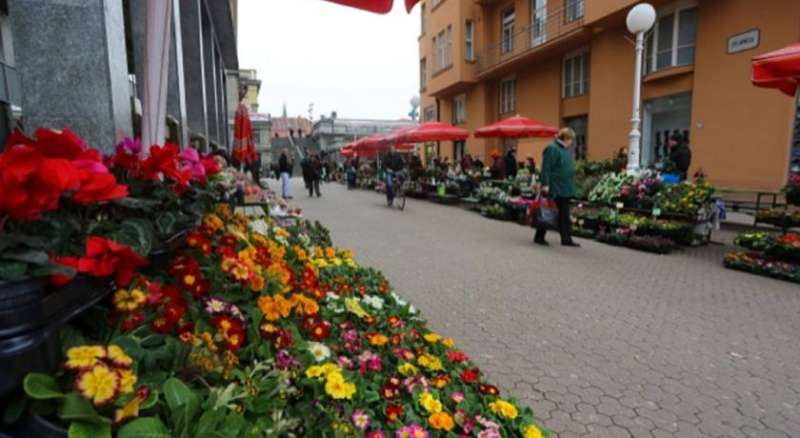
(663, 117)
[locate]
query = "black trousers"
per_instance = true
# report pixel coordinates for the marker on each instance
(564, 222)
(313, 185)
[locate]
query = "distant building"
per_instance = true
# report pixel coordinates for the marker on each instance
(295, 127)
(80, 63)
(331, 133)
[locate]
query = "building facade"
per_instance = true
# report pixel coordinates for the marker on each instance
(332, 133)
(79, 65)
(571, 62)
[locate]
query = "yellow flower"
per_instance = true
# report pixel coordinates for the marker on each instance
(448, 343)
(504, 408)
(99, 385)
(224, 210)
(320, 263)
(408, 369)
(119, 357)
(430, 362)
(441, 421)
(131, 409)
(304, 305)
(338, 388)
(127, 380)
(324, 370)
(347, 254)
(531, 431)
(213, 222)
(84, 357)
(128, 301)
(432, 338)
(430, 403)
(240, 272)
(318, 253)
(300, 253)
(257, 283)
(354, 307)
(350, 263)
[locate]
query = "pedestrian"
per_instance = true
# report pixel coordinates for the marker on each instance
(315, 175)
(558, 183)
(680, 154)
(498, 169)
(305, 170)
(530, 165)
(478, 164)
(285, 171)
(256, 169)
(466, 162)
(511, 163)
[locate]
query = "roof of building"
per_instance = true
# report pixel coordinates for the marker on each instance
(281, 126)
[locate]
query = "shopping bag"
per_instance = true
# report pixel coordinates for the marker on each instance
(543, 213)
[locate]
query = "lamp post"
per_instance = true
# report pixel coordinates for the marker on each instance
(640, 19)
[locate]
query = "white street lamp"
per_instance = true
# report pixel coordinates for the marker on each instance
(640, 19)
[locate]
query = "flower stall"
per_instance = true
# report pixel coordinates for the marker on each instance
(769, 254)
(237, 327)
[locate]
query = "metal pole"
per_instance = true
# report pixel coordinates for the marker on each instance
(635, 144)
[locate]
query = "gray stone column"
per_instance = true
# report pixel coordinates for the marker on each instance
(73, 67)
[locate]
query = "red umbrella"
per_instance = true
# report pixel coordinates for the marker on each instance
(244, 150)
(778, 69)
(516, 127)
(377, 6)
(347, 151)
(433, 131)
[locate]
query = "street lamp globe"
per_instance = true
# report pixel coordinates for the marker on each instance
(415, 101)
(641, 18)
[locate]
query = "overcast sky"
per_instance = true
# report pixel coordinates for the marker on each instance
(342, 59)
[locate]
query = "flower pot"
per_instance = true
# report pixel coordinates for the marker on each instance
(16, 299)
(37, 351)
(36, 426)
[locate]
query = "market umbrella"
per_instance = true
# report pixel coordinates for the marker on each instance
(244, 150)
(347, 152)
(377, 6)
(433, 131)
(516, 127)
(778, 69)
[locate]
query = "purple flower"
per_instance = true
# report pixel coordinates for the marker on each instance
(284, 360)
(215, 306)
(130, 146)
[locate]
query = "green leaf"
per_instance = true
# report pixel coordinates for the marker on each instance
(150, 401)
(33, 256)
(41, 387)
(136, 233)
(77, 408)
(12, 270)
(80, 429)
(14, 410)
(178, 394)
(147, 427)
(165, 223)
(137, 203)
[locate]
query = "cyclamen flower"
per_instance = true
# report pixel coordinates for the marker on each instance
(412, 431)
(360, 419)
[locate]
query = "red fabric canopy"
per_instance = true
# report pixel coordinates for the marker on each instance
(377, 6)
(778, 69)
(516, 127)
(432, 131)
(244, 150)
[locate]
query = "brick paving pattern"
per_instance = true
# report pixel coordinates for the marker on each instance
(599, 341)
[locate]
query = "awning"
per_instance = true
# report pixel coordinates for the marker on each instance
(433, 131)
(516, 127)
(377, 6)
(778, 69)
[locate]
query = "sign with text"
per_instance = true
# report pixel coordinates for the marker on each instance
(743, 41)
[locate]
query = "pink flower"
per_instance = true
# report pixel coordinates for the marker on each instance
(375, 434)
(130, 146)
(457, 396)
(489, 433)
(412, 431)
(345, 362)
(190, 161)
(360, 419)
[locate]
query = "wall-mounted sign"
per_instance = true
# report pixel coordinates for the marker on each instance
(743, 41)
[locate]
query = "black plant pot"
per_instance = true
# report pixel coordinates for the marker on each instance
(38, 351)
(36, 426)
(161, 254)
(16, 300)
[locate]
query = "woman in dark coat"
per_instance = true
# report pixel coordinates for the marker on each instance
(558, 183)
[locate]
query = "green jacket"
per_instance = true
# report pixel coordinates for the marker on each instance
(558, 171)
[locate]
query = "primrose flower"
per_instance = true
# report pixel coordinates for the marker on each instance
(118, 356)
(442, 421)
(412, 431)
(531, 431)
(319, 350)
(84, 357)
(360, 419)
(100, 385)
(504, 409)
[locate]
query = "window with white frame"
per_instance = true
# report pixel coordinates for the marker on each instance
(459, 109)
(443, 45)
(538, 22)
(573, 10)
(576, 73)
(423, 74)
(507, 33)
(508, 89)
(469, 41)
(672, 40)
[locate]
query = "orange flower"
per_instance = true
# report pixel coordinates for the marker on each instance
(257, 283)
(305, 305)
(274, 308)
(378, 340)
(441, 421)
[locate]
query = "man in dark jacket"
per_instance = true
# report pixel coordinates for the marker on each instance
(511, 163)
(315, 175)
(305, 169)
(558, 183)
(392, 165)
(680, 154)
(285, 170)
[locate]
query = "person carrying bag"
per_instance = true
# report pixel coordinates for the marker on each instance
(543, 213)
(558, 183)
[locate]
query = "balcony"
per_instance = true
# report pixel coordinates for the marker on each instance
(548, 28)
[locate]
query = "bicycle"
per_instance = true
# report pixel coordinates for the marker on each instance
(397, 197)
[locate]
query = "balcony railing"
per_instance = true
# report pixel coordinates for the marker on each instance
(9, 85)
(547, 27)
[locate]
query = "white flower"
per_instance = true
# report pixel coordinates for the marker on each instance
(400, 302)
(374, 301)
(319, 350)
(259, 226)
(412, 310)
(330, 296)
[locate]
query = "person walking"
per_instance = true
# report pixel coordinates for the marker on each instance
(285, 171)
(511, 163)
(305, 169)
(680, 154)
(558, 183)
(498, 166)
(315, 175)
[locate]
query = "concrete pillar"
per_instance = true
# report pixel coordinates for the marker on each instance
(73, 66)
(193, 71)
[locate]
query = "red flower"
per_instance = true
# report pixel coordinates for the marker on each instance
(470, 375)
(456, 356)
(105, 257)
(174, 311)
(131, 321)
(98, 187)
(69, 262)
(308, 322)
(283, 339)
(320, 331)
(393, 412)
(488, 389)
(162, 325)
(389, 392)
(63, 144)
(211, 165)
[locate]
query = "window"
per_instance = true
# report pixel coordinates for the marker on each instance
(458, 150)
(459, 109)
(422, 19)
(507, 35)
(430, 113)
(423, 74)
(579, 125)
(507, 95)
(539, 22)
(443, 46)
(469, 41)
(573, 10)
(671, 43)
(576, 74)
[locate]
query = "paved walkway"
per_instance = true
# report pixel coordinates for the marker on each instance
(599, 341)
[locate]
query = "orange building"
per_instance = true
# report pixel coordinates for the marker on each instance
(571, 62)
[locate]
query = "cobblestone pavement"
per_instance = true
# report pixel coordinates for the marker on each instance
(599, 341)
